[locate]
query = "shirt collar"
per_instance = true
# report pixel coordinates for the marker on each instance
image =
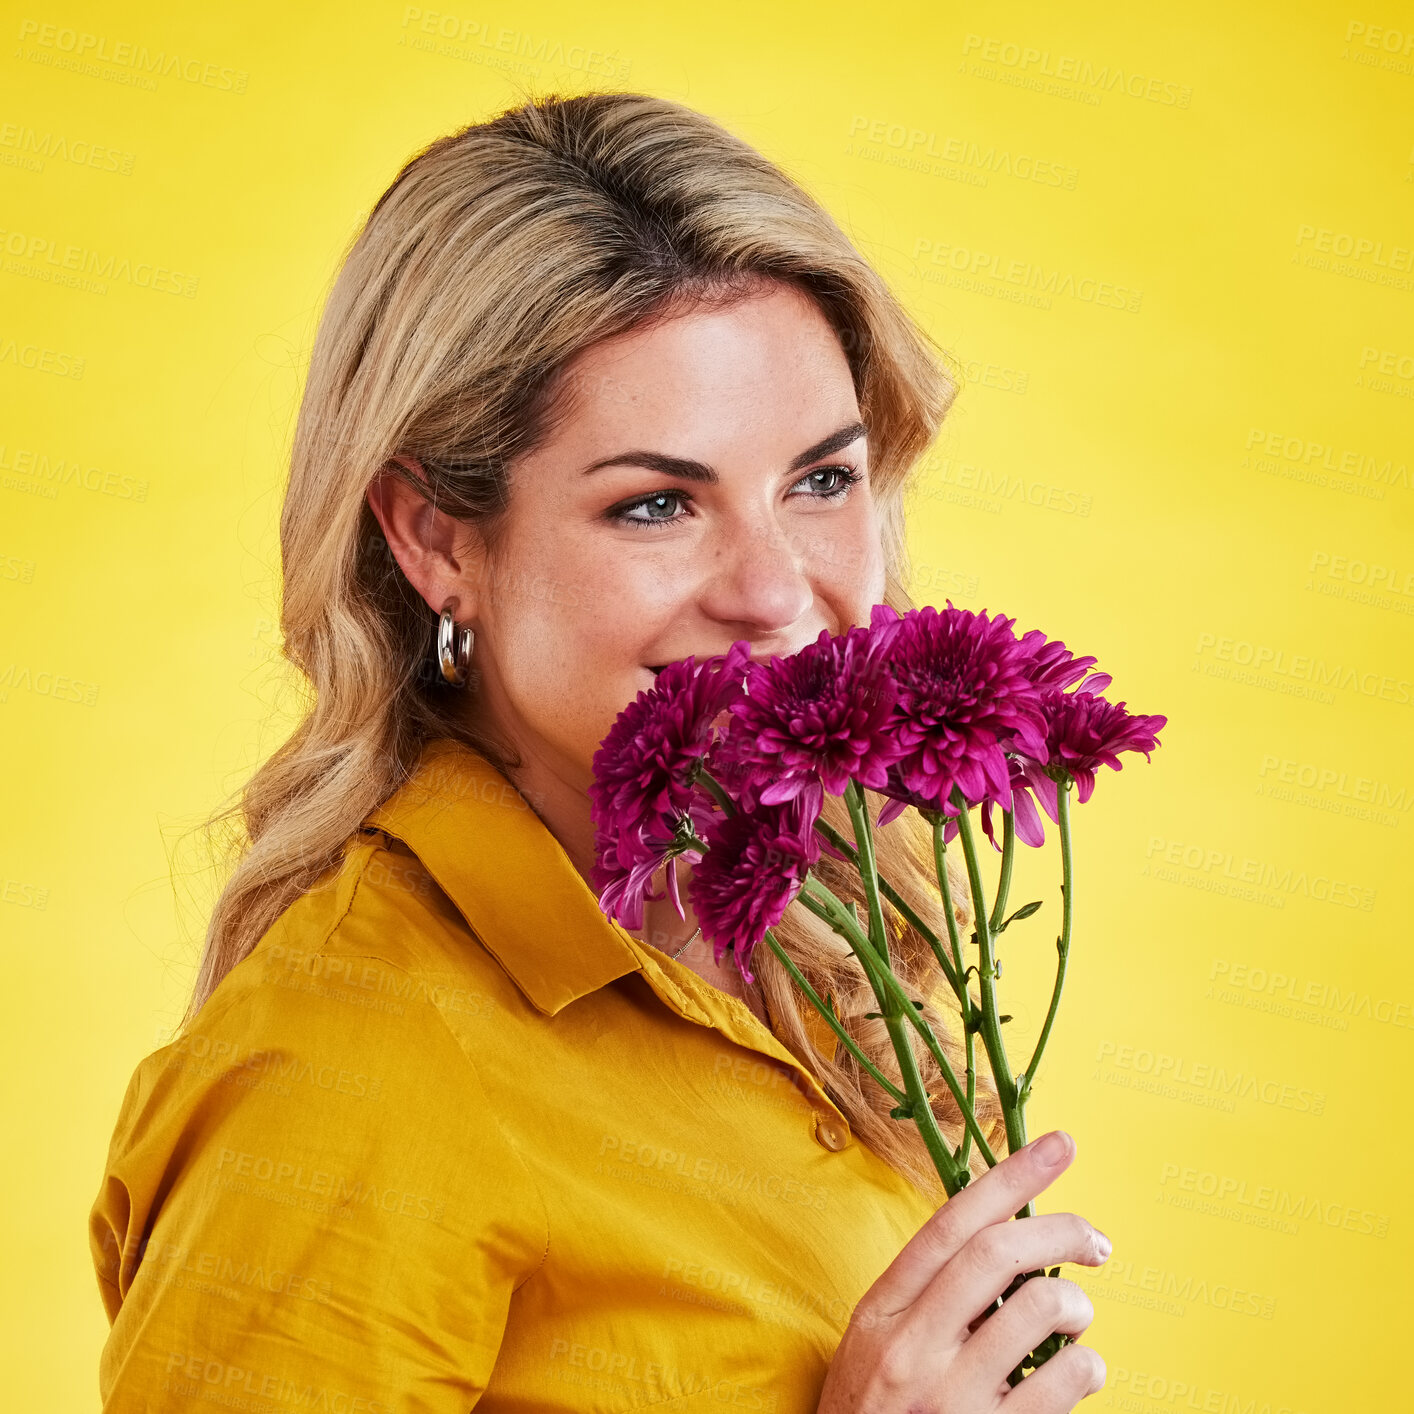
(507, 875)
(521, 895)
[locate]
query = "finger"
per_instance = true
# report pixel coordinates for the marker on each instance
(1039, 1307)
(986, 1263)
(1071, 1374)
(995, 1196)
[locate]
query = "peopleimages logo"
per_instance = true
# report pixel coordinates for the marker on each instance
(62, 47)
(964, 152)
(1222, 867)
(1210, 1077)
(1355, 247)
(1365, 574)
(32, 149)
(1265, 658)
(39, 359)
(1311, 457)
(1331, 780)
(35, 254)
(945, 262)
(1028, 60)
(1241, 1192)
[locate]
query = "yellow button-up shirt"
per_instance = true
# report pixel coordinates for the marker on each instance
(450, 1137)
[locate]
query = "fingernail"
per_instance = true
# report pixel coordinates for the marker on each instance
(1105, 1246)
(1053, 1149)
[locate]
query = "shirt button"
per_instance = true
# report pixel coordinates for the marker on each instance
(831, 1133)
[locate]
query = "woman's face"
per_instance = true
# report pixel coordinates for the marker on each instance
(699, 492)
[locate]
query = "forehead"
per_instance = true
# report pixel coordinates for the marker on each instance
(769, 356)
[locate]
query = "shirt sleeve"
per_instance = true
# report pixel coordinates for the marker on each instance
(308, 1203)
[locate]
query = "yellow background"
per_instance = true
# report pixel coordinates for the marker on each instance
(1172, 251)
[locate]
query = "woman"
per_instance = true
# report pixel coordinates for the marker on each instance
(597, 388)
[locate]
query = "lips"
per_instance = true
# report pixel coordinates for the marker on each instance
(755, 658)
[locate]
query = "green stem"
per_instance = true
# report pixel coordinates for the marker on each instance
(821, 902)
(868, 869)
(1004, 878)
(714, 789)
(895, 898)
(1001, 1070)
(846, 1039)
(986, 975)
(1026, 1078)
(964, 999)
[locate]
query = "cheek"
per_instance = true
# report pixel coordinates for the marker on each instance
(874, 568)
(851, 567)
(571, 625)
(618, 609)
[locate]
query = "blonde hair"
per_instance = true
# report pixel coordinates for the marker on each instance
(497, 254)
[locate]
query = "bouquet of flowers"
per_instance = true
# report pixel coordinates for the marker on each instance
(725, 763)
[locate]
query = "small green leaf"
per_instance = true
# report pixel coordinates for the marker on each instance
(902, 1112)
(1025, 911)
(874, 1015)
(919, 1005)
(1007, 1017)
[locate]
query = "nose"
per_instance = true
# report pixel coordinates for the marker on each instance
(756, 578)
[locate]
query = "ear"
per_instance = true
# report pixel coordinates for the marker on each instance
(442, 557)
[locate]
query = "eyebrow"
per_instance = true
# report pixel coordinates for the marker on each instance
(690, 470)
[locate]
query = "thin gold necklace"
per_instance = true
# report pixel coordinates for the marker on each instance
(683, 948)
(756, 985)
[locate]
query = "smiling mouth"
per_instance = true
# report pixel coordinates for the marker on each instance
(659, 668)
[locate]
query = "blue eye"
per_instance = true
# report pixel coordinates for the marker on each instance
(847, 477)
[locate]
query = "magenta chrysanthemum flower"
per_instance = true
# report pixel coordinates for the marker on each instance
(1050, 664)
(816, 720)
(753, 869)
(964, 698)
(1025, 816)
(622, 891)
(900, 798)
(1052, 668)
(1084, 731)
(642, 796)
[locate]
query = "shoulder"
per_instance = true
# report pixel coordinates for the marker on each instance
(316, 1156)
(356, 972)
(378, 933)
(323, 1065)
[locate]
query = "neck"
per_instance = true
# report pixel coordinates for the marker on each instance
(563, 807)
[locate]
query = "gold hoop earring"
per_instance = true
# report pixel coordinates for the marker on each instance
(454, 665)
